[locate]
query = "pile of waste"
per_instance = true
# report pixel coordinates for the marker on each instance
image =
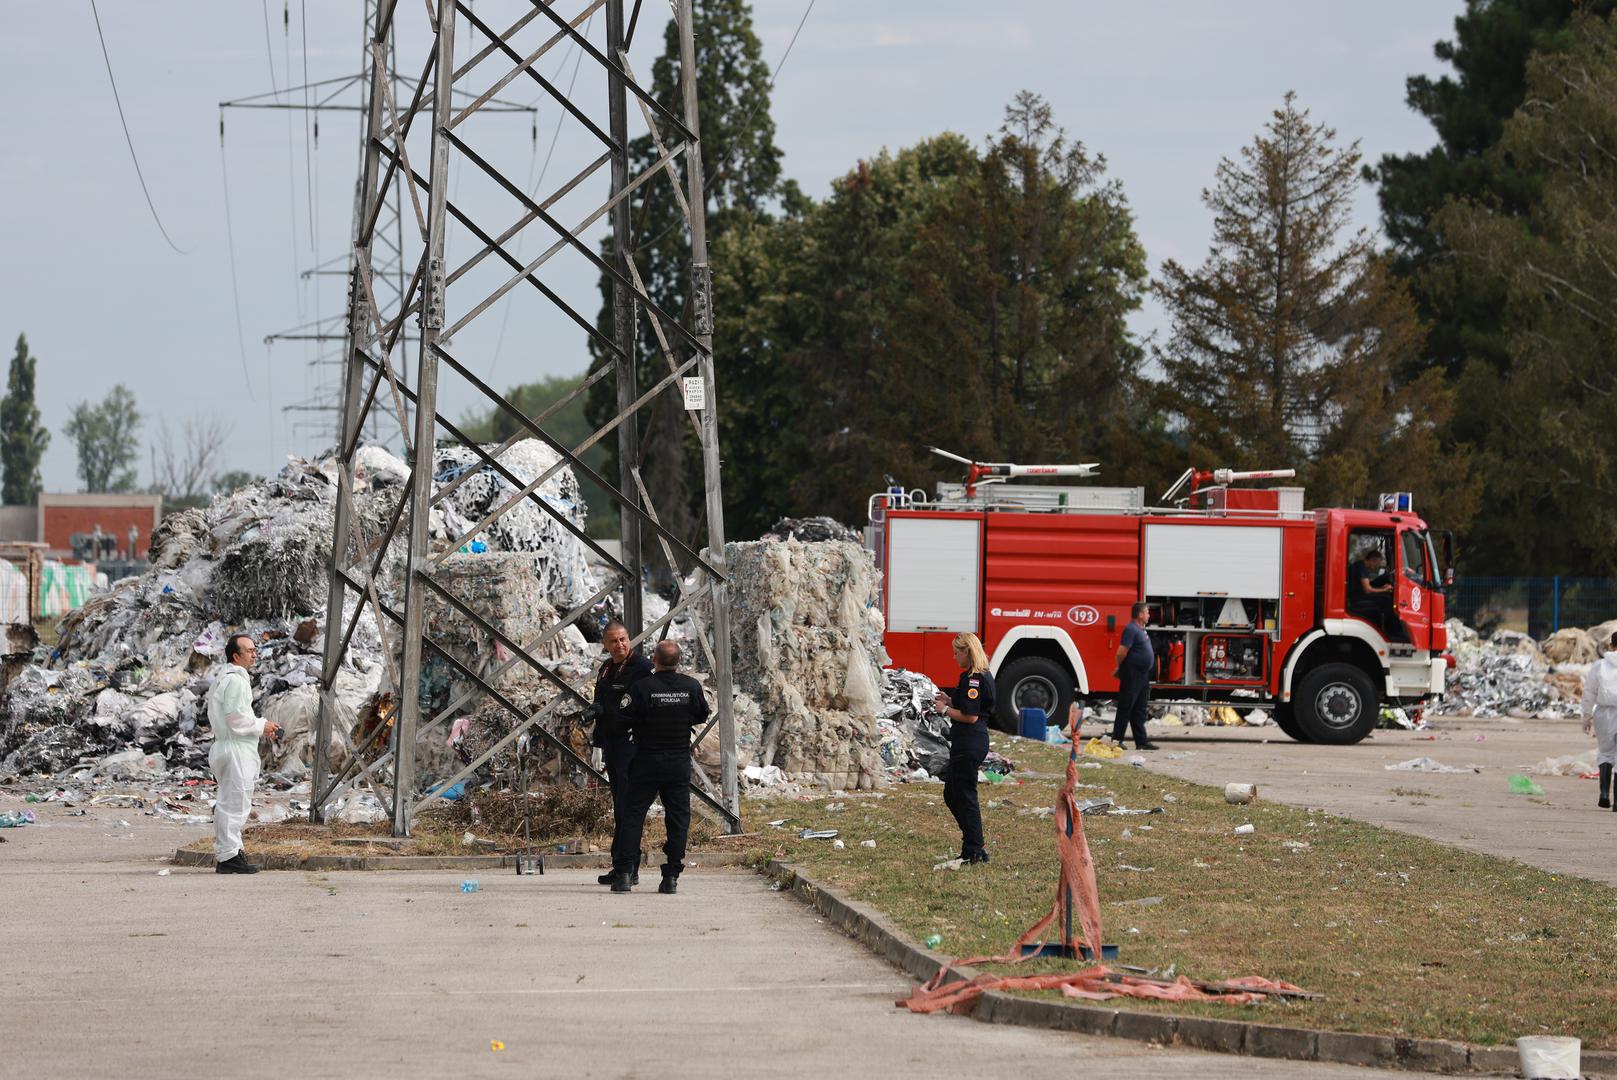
(1510, 674)
(125, 687)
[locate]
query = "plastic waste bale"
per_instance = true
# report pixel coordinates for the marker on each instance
(807, 648)
(1571, 646)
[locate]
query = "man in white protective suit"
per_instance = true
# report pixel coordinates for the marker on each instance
(1600, 713)
(234, 757)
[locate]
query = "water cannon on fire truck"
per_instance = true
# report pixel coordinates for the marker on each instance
(1253, 596)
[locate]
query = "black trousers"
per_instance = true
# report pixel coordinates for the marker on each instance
(617, 754)
(966, 754)
(664, 774)
(1133, 696)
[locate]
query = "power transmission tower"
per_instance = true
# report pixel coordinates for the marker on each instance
(412, 138)
(324, 403)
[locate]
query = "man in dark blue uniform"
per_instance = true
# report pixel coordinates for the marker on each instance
(1136, 660)
(661, 709)
(623, 668)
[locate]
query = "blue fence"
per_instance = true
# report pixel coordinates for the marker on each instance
(1536, 605)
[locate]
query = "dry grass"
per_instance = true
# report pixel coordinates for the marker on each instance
(562, 816)
(1404, 936)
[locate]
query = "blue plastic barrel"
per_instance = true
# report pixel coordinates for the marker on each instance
(1033, 724)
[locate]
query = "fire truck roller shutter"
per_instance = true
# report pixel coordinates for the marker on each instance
(934, 583)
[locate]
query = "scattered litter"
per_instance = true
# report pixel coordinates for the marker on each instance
(1096, 748)
(934, 940)
(1137, 761)
(164, 872)
(867, 843)
(950, 864)
(838, 845)
(1524, 785)
(1169, 797)
(1127, 869)
(1570, 765)
(495, 1045)
(471, 885)
(1296, 845)
(817, 834)
(1126, 834)
(777, 823)
(1240, 794)
(1245, 830)
(1426, 764)
(16, 819)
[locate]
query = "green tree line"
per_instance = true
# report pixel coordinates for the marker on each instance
(975, 294)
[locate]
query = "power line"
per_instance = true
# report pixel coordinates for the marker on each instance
(132, 156)
(230, 240)
(308, 164)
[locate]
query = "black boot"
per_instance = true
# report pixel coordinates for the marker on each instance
(236, 864)
(1605, 786)
(612, 875)
(622, 882)
(670, 885)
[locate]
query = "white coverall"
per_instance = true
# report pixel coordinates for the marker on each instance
(1600, 706)
(234, 757)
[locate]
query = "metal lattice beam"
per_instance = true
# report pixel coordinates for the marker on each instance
(414, 132)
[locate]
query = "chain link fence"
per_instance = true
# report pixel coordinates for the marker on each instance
(1535, 605)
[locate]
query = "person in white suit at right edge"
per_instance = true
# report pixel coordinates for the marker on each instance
(1600, 714)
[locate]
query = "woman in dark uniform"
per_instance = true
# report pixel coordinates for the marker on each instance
(969, 706)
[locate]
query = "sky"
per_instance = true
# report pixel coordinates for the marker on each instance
(1162, 89)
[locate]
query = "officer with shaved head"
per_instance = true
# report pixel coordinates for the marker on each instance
(660, 710)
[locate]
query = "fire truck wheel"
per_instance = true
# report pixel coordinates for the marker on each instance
(1285, 715)
(1336, 703)
(1032, 682)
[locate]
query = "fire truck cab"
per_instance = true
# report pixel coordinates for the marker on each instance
(1250, 596)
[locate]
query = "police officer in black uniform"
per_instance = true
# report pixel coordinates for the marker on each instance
(969, 707)
(661, 710)
(623, 668)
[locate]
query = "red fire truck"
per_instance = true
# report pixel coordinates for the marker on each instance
(1248, 593)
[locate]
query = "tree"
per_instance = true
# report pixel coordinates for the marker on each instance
(233, 480)
(104, 435)
(22, 438)
(184, 470)
(742, 165)
(1551, 468)
(1492, 42)
(1286, 342)
(975, 300)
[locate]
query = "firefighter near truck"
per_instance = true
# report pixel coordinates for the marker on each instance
(1252, 596)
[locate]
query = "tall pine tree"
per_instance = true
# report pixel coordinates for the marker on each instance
(1287, 340)
(22, 438)
(1549, 457)
(1468, 110)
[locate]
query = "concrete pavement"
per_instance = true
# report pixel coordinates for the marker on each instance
(1563, 831)
(113, 970)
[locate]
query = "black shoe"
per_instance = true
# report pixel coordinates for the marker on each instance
(669, 886)
(612, 875)
(621, 882)
(979, 857)
(1605, 786)
(236, 864)
(1147, 745)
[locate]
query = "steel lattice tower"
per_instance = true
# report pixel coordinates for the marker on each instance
(414, 139)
